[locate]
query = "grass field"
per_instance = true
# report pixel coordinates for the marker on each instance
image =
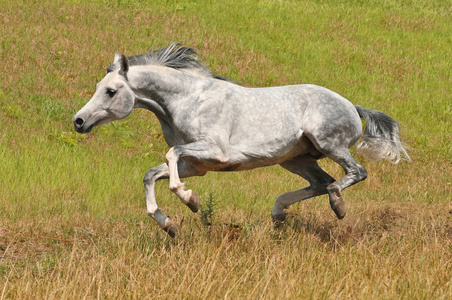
(72, 213)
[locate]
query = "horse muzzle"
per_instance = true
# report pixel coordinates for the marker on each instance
(85, 122)
(80, 125)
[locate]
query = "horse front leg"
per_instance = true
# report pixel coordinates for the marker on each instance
(188, 197)
(198, 151)
(152, 209)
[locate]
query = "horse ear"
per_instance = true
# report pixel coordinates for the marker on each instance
(124, 64)
(117, 59)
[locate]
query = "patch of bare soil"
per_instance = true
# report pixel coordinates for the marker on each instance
(352, 229)
(15, 245)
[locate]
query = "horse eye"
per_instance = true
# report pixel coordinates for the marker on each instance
(111, 92)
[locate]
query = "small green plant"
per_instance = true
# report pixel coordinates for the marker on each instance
(68, 138)
(208, 211)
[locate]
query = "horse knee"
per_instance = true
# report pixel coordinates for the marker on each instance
(154, 174)
(149, 178)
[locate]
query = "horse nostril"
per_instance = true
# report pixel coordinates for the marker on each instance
(79, 121)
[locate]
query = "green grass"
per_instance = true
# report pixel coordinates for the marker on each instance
(72, 217)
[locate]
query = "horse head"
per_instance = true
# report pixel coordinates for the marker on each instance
(113, 99)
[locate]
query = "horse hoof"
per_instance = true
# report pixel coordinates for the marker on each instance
(193, 202)
(171, 228)
(278, 220)
(339, 207)
(337, 203)
(340, 210)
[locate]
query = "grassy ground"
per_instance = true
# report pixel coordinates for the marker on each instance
(72, 222)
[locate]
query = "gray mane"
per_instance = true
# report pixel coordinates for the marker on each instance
(174, 56)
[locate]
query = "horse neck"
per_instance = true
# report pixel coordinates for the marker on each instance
(162, 84)
(160, 89)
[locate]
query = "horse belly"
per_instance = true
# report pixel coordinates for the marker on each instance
(267, 152)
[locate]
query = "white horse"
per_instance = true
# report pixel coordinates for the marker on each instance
(212, 124)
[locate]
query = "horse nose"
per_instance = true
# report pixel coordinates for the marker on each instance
(78, 123)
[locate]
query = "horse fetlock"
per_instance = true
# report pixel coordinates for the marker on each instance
(336, 201)
(171, 228)
(158, 217)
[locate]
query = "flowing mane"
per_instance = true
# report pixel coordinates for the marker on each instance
(174, 56)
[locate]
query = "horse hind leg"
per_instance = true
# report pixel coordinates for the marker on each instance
(308, 168)
(354, 173)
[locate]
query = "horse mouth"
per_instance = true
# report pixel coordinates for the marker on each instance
(83, 129)
(86, 127)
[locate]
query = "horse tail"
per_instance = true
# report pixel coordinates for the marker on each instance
(381, 137)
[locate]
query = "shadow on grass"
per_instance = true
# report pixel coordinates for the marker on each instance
(351, 230)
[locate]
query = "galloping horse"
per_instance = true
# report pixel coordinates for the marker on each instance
(212, 124)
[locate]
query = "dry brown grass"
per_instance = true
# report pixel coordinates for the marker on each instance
(378, 250)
